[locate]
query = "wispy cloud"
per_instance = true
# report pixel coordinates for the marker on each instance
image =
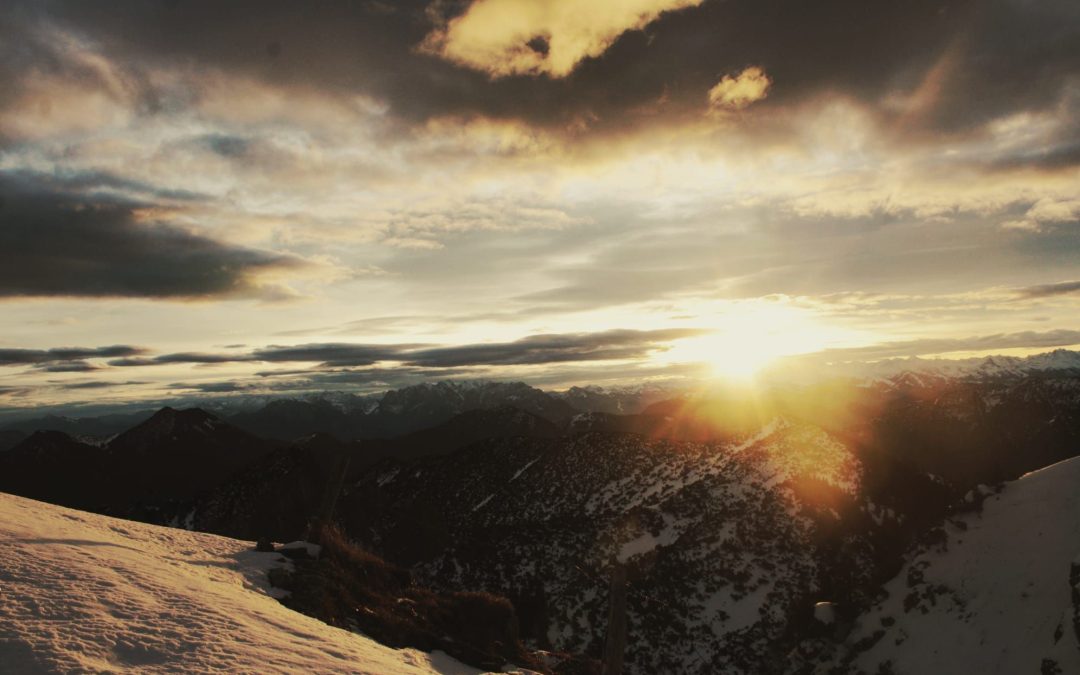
(934, 346)
(1049, 290)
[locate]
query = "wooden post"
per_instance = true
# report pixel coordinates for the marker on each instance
(331, 492)
(615, 645)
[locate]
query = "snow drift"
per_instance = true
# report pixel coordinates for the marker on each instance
(996, 592)
(83, 592)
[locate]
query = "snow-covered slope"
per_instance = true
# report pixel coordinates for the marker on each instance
(88, 593)
(998, 592)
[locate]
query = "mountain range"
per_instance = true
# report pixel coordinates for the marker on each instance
(805, 529)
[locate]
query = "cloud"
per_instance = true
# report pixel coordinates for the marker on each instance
(354, 379)
(180, 357)
(735, 93)
(69, 367)
(232, 147)
(68, 355)
(226, 387)
(1046, 212)
(332, 354)
(532, 350)
(60, 243)
(96, 384)
(327, 354)
(561, 348)
(930, 346)
(526, 37)
(1049, 290)
(102, 185)
(980, 61)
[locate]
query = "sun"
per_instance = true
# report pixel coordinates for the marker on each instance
(727, 356)
(743, 365)
(743, 339)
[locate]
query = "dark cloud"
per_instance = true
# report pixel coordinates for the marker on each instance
(532, 350)
(332, 354)
(179, 357)
(72, 355)
(328, 354)
(1062, 156)
(926, 346)
(100, 185)
(194, 357)
(974, 61)
(353, 379)
(541, 349)
(69, 367)
(1049, 290)
(212, 387)
(232, 147)
(95, 384)
(55, 243)
(320, 379)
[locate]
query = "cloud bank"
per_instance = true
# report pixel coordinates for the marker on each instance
(55, 243)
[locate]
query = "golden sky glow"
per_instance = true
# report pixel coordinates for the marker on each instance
(560, 192)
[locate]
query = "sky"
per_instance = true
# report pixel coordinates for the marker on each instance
(216, 197)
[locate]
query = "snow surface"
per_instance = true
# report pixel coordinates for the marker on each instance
(86, 593)
(825, 612)
(995, 595)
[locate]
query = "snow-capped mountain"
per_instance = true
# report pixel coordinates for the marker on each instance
(623, 400)
(976, 368)
(89, 593)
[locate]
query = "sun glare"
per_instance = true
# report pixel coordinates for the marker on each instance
(734, 357)
(747, 338)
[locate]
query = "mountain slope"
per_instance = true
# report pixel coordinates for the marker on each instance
(275, 496)
(289, 419)
(83, 592)
(469, 427)
(9, 438)
(995, 592)
(100, 427)
(616, 400)
(52, 466)
(147, 472)
(176, 454)
(975, 431)
(727, 542)
(410, 409)
(397, 412)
